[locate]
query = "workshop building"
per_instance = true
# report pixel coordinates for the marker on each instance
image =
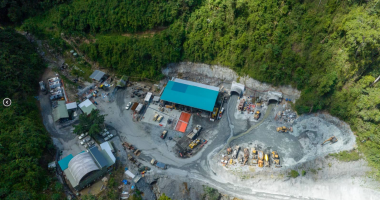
(191, 94)
(86, 167)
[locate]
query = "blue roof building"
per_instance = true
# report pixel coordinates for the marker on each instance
(191, 94)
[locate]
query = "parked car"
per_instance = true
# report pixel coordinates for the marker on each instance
(83, 135)
(128, 105)
(91, 143)
(108, 137)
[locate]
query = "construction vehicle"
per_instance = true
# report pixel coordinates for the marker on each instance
(246, 155)
(155, 117)
(266, 160)
(163, 134)
(194, 143)
(214, 114)
(229, 150)
(254, 157)
(158, 164)
(275, 159)
(257, 115)
(260, 157)
(160, 118)
(284, 129)
(137, 152)
(131, 158)
(194, 134)
(235, 153)
(332, 140)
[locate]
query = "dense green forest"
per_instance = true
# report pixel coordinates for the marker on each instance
(23, 138)
(328, 49)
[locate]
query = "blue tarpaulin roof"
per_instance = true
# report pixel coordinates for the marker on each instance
(64, 163)
(190, 94)
(102, 162)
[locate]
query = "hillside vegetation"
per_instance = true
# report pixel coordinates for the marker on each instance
(24, 142)
(329, 49)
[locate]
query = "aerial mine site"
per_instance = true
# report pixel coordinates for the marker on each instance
(189, 100)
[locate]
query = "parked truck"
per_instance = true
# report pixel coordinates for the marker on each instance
(195, 132)
(260, 155)
(158, 164)
(163, 134)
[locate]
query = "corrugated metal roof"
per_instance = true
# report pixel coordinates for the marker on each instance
(99, 158)
(186, 82)
(64, 163)
(190, 95)
(97, 75)
(148, 96)
(60, 111)
(72, 105)
(156, 98)
(106, 147)
(87, 106)
(81, 165)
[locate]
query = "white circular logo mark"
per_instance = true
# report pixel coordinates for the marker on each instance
(7, 102)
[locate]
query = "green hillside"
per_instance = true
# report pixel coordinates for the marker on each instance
(329, 49)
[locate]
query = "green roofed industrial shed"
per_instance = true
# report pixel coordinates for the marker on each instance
(60, 112)
(191, 94)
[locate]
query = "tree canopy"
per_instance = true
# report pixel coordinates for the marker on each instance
(23, 138)
(92, 123)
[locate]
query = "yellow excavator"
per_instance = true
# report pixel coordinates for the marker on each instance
(284, 129)
(194, 143)
(257, 115)
(254, 157)
(275, 159)
(260, 156)
(332, 140)
(266, 160)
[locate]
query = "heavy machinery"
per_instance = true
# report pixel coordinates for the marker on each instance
(235, 153)
(257, 115)
(266, 160)
(284, 129)
(194, 134)
(275, 159)
(194, 143)
(246, 155)
(163, 134)
(260, 156)
(254, 157)
(332, 140)
(229, 150)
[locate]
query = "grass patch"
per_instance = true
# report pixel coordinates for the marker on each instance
(211, 193)
(313, 171)
(293, 174)
(346, 156)
(303, 173)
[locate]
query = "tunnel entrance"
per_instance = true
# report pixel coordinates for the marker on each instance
(273, 101)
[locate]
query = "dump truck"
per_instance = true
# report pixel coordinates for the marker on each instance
(194, 143)
(236, 151)
(260, 157)
(163, 134)
(266, 160)
(195, 132)
(246, 155)
(158, 164)
(284, 129)
(257, 115)
(332, 140)
(275, 159)
(214, 113)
